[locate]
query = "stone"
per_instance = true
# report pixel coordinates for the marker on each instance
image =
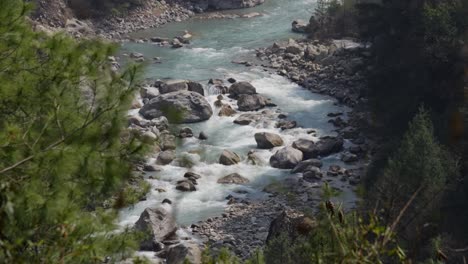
(185, 251)
(312, 174)
(189, 107)
(167, 141)
(151, 168)
(329, 145)
(303, 165)
(196, 87)
(165, 157)
(292, 224)
(192, 176)
(286, 158)
(149, 92)
(173, 86)
(251, 102)
(229, 158)
(306, 146)
(233, 178)
(247, 119)
(299, 26)
(226, 110)
(348, 157)
(231, 80)
(239, 88)
(159, 223)
(176, 43)
(266, 140)
(186, 186)
(186, 132)
(286, 124)
(202, 136)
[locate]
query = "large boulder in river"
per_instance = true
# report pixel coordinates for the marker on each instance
(173, 86)
(306, 146)
(185, 251)
(233, 178)
(299, 26)
(286, 158)
(159, 223)
(266, 140)
(251, 102)
(241, 88)
(229, 158)
(226, 110)
(195, 87)
(329, 145)
(166, 157)
(187, 107)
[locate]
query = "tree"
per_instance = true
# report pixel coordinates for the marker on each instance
(63, 146)
(420, 167)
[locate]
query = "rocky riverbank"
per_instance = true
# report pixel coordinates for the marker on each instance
(54, 15)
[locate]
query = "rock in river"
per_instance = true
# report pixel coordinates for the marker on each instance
(286, 158)
(229, 158)
(183, 107)
(267, 140)
(159, 223)
(233, 178)
(251, 102)
(241, 88)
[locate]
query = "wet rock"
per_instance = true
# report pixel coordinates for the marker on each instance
(136, 55)
(253, 159)
(186, 186)
(186, 251)
(202, 136)
(266, 140)
(158, 39)
(192, 176)
(312, 174)
(251, 102)
(173, 86)
(165, 157)
(247, 119)
(195, 87)
(151, 168)
(239, 88)
(167, 141)
(299, 26)
(186, 132)
(349, 157)
(217, 82)
(229, 158)
(161, 123)
(159, 224)
(231, 80)
(233, 178)
(226, 110)
(306, 146)
(335, 170)
(303, 165)
(286, 124)
(286, 158)
(189, 107)
(176, 43)
(328, 145)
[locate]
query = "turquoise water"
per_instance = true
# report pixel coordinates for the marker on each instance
(215, 44)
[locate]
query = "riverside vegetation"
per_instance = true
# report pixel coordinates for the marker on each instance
(67, 156)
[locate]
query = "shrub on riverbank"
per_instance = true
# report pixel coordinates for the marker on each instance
(63, 149)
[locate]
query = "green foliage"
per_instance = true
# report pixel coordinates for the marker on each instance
(334, 18)
(420, 167)
(63, 149)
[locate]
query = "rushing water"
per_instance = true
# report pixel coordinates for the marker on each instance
(215, 44)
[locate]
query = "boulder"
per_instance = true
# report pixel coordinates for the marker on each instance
(185, 252)
(306, 146)
(176, 43)
(299, 26)
(286, 124)
(286, 158)
(348, 157)
(173, 86)
(266, 140)
(251, 102)
(196, 87)
(239, 88)
(233, 178)
(186, 186)
(166, 157)
(192, 176)
(229, 158)
(329, 145)
(167, 141)
(293, 49)
(202, 136)
(149, 92)
(303, 165)
(187, 107)
(159, 223)
(186, 132)
(226, 110)
(247, 119)
(161, 123)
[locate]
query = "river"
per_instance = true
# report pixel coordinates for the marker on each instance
(215, 44)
